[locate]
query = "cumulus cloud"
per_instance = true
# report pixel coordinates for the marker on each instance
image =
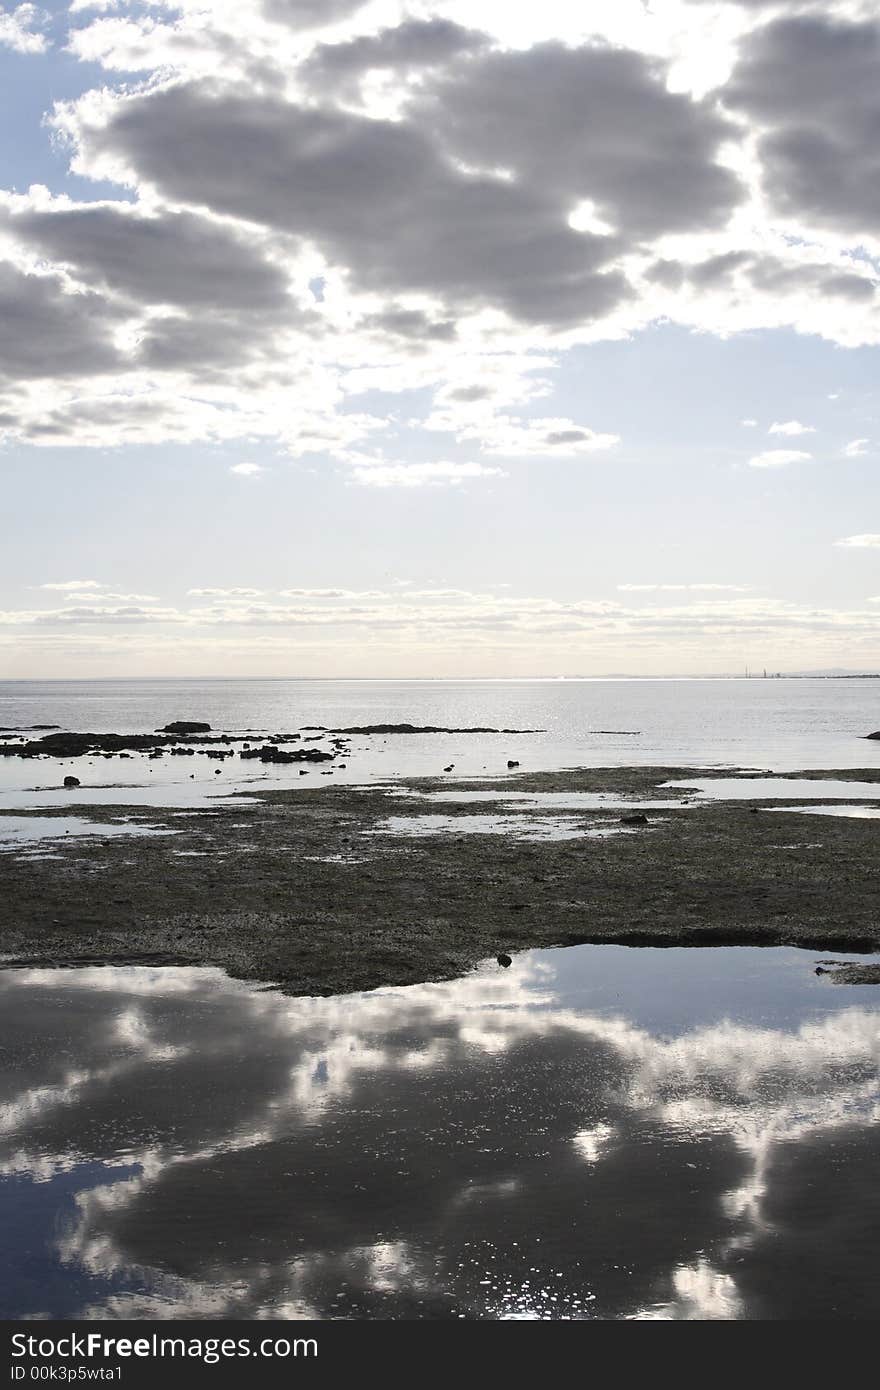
(19, 30)
(47, 330)
(376, 196)
(856, 448)
(778, 458)
(73, 585)
(457, 196)
(866, 541)
(790, 427)
(172, 258)
(225, 593)
(809, 81)
(684, 588)
(247, 470)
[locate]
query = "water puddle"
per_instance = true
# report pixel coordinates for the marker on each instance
(548, 801)
(835, 809)
(766, 788)
(16, 831)
(592, 1132)
(516, 827)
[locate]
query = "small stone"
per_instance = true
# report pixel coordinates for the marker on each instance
(504, 960)
(71, 781)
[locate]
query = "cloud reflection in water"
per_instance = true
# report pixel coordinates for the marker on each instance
(594, 1133)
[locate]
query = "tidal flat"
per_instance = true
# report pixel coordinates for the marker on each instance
(325, 890)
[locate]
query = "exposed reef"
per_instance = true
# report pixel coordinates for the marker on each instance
(316, 889)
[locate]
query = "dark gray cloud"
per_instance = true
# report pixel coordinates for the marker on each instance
(203, 344)
(813, 84)
(375, 196)
(416, 43)
(768, 274)
(174, 258)
(412, 323)
(591, 123)
(310, 14)
(45, 332)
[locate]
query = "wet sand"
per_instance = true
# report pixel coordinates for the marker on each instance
(309, 890)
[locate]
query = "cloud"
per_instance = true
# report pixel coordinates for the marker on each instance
(590, 123)
(809, 82)
(855, 448)
(421, 474)
(18, 30)
(376, 197)
(684, 588)
(309, 14)
(778, 458)
(790, 427)
(225, 593)
(866, 541)
(460, 195)
(171, 258)
(107, 597)
(748, 424)
(412, 45)
(46, 330)
(247, 470)
(73, 585)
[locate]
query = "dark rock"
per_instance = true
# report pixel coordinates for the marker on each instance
(426, 729)
(637, 819)
(504, 960)
(449, 768)
(71, 782)
(874, 735)
(851, 973)
(185, 726)
(269, 753)
(512, 762)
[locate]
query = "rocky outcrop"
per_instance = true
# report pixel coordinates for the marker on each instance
(184, 726)
(426, 729)
(271, 753)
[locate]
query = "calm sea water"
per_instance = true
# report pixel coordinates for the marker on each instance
(779, 725)
(595, 1132)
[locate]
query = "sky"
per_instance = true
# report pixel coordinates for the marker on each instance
(439, 339)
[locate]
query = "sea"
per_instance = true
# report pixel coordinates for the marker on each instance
(776, 725)
(589, 1133)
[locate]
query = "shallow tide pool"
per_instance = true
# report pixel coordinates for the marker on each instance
(594, 1132)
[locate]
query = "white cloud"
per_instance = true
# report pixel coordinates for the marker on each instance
(790, 427)
(778, 458)
(866, 541)
(856, 448)
(17, 30)
(749, 423)
(420, 474)
(247, 470)
(684, 588)
(225, 593)
(73, 585)
(113, 598)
